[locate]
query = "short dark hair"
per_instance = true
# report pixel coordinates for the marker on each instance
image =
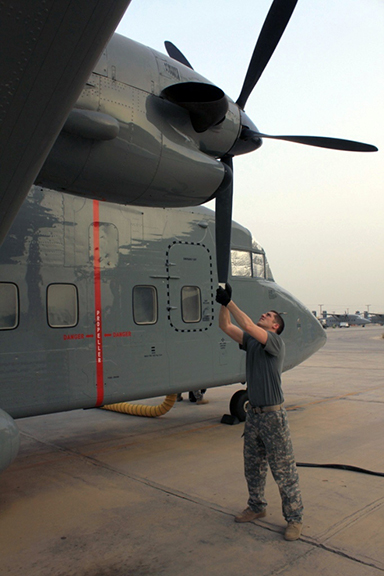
(279, 320)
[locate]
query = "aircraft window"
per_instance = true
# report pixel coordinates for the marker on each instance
(258, 265)
(241, 263)
(9, 306)
(256, 246)
(268, 272)
(145, 305)
(62, 305)
(191, 304)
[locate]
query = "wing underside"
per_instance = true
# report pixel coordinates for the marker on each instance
(51, 47)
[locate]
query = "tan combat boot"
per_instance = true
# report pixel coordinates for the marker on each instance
(293, 530)
(248, 515)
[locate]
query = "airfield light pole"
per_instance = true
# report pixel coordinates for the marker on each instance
(321, 309)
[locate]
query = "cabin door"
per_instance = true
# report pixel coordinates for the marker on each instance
(190, 287)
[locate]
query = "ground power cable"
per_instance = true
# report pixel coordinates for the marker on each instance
(340, 467)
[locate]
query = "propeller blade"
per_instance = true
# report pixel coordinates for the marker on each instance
(319, 141)
(275, 23)
(223, 225)
(175, 53)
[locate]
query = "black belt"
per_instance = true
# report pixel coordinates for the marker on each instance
(262, 409)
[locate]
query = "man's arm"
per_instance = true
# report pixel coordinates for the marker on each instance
(246, 324)
(226, 325)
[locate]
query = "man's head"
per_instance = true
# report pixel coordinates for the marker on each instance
(271, 321)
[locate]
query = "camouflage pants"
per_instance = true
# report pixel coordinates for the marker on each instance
(197, 394)
(267, 440)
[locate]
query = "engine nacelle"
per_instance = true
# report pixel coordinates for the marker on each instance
(9, 440)
(146, 131)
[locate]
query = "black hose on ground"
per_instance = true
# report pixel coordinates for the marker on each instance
(340, 467)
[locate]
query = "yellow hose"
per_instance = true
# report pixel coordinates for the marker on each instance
(141, 409)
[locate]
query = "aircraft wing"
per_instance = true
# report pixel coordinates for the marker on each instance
(49, 49)
(341, 317)
(376, 318)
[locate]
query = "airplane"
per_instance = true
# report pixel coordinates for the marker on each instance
(119, 122)
(102, 304)
(343, 320)
(375, 318)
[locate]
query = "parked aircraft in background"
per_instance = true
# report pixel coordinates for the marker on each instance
(343, 320)
(375, 318)
(101, 303)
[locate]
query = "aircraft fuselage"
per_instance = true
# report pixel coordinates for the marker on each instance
(103, 303)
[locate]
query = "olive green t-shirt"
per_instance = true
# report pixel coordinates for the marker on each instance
(264, 364)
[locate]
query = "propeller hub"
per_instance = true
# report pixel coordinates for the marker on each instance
(244, 144)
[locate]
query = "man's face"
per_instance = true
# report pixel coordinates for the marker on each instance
(267, 321)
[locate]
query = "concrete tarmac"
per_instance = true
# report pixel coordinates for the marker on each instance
(96, 493)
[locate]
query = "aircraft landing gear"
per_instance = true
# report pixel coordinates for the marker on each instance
(237, 404)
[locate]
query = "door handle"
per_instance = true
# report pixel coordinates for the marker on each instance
(165, 276)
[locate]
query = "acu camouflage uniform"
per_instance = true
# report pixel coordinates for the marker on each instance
(266, 435)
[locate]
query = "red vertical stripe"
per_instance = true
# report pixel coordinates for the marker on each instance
(98, 315)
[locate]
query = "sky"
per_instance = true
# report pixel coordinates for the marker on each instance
(319, 214)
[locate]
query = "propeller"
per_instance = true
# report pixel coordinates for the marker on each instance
(319, 141)
(249, 139)
(223, 221)
(175, 53)
(273, 28)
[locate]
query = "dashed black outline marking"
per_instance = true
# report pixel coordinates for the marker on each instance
(168, 287)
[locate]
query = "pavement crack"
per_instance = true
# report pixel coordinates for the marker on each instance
(350, 520)
(339, 552)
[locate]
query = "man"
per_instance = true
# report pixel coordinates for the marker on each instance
(266, 433)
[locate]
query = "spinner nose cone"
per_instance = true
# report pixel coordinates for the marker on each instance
(244, 144)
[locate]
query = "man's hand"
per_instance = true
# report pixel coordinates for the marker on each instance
(228, 289)
(223, 297)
